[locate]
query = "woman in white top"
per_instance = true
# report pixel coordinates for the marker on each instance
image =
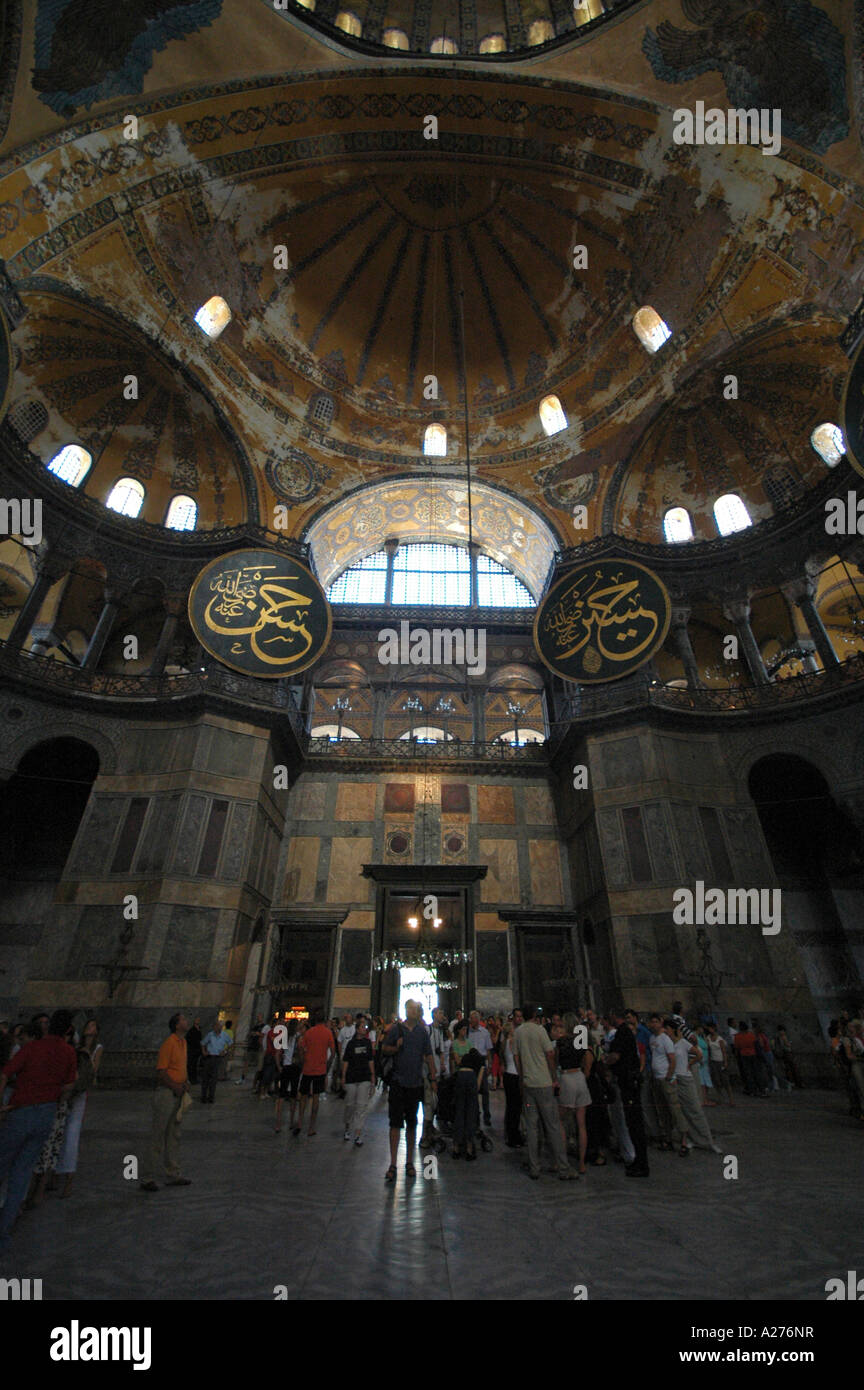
(512, 1090)
(688, 1090)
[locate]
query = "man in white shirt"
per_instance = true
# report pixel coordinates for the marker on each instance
(535, 1057)
(479, 1038)
(346, 1032)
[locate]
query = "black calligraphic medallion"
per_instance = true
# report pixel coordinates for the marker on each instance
(602, 620)
(260, 612)
(852, 412)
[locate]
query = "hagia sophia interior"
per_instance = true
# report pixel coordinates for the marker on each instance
(423, 297)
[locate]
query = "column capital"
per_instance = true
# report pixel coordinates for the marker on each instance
(391, 545)
(799, 589)
(737, 610)
(680, 615)
(175, 604)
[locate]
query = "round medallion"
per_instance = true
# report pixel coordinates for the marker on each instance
(852, 412)
(260, 613)
(602, 620)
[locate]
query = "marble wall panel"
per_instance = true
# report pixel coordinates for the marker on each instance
(501, 884)
(660, 841)
(308, 800)
(355, 801)
(688, 834)
(97, 938)
(492, 959)
(613, 849)
(233, 754)
(187, 848)
(346, 883)
(97, 835)
(537, 806)
(622, 762)
(160, 831)
(545, 860)
(495, 805)
(355, 958)
(189, 943)
(234, 848)
(301, 868)
(744, 834)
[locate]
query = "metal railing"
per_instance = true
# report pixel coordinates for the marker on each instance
(413, 750)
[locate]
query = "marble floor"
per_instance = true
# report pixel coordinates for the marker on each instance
(316, 1216)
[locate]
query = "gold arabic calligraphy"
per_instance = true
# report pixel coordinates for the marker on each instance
(611, 609)
(279, 612)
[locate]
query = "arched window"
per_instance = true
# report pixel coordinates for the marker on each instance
(331, 731)
(443, 45)
(428, 574)
(829, 443)
(71, 465)
(525, 736)
(348, 23)
(552, 416)
(307, 4)
(28, 418)
(126, 497)
(214, 316)
(322, 409)
(493, 43)
(541, 31)
(425, 733)
(182, 514)
(677, 525)
(395, 38)
(731, 515)
(435, 441)
(650, 329)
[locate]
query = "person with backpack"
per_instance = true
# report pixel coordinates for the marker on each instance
(408, 1049)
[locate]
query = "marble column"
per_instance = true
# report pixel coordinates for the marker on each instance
(29, 611)
(684, 647)
(379, 711)
(478, 715)
(101, 632)
(174, 608)
(738, 612)
(802, 592)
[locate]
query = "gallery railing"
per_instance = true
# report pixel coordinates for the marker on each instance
(451, 750)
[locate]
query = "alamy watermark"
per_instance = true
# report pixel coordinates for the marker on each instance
(732, 127)
(715, 907)
(437, 646)
(22, 517)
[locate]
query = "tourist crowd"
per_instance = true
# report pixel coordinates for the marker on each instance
(576, 1085)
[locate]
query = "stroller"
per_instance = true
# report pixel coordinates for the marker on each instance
(445, 1114)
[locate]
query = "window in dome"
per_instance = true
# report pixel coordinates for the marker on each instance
(182, 514)
(552, 416)
(829, 443)
(307, 4)
(584, 10)
(650, 329)
(731, 515)
(677, 525)
(71, 465)
(395, 38)
(28, 418)
(443, 45)
(541, 31)
(493, 43)
(498, 587)
(321, 409)
(214, 316)
(364, 582)
(435, 441)
(126, 497)
(348, 23)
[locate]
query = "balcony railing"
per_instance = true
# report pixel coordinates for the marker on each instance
(413, 750)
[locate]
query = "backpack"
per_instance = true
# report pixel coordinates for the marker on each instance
(388, 1059)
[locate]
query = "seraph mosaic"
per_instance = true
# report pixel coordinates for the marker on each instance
(92, 50)
(784, 54)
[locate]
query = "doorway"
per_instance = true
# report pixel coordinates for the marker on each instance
(417, 983)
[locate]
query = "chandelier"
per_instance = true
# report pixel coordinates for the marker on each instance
(425, 955)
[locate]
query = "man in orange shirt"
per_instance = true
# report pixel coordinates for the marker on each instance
(317, 1045)
(171, 1085)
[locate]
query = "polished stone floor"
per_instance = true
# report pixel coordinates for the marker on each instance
(315, 1214)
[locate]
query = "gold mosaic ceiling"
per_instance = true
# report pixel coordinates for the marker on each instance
(393, 241)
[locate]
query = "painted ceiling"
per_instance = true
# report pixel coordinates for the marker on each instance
(406, 258)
